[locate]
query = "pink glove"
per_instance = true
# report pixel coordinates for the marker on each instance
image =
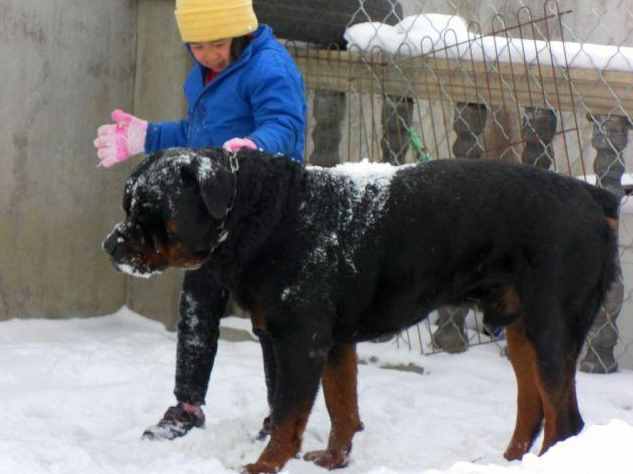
(118, 141)
(236, 144)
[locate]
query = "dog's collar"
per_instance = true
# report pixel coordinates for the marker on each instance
(233, 165)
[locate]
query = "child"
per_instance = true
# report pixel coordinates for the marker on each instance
(244, 91)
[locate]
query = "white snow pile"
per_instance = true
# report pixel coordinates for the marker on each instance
(76, 395)
(447, 36)
(366, 172)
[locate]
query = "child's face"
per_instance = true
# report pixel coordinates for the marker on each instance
(214, 55)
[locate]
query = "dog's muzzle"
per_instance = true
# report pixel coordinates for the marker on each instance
(114, 243)
(125, 247)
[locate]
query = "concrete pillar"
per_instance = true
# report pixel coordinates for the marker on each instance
(469, 123)
(329, 111)
(63, 71)
(538, 130)
(610, 137)
(397, 113)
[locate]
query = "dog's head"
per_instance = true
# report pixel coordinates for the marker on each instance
(175, 203)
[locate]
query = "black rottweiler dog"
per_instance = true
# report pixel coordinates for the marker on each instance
(324, 258)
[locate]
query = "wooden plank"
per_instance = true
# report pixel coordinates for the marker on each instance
(580, 90)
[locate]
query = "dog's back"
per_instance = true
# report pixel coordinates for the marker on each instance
(452, 231)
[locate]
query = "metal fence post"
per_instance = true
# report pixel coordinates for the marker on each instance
(609, 139)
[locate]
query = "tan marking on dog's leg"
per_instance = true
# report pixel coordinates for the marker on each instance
(284, 444)
(558, 407)
(510, 302)
(257, 319)
(341, 397)
(529, 403)
(552, 421)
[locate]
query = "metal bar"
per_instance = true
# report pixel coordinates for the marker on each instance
(553, 66)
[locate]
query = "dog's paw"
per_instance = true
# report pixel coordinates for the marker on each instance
(515, 451)
(328, 458)
(260, 468)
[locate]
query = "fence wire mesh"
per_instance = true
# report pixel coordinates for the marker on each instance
(548, 84)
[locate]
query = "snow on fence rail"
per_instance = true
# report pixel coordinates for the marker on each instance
(434, 86)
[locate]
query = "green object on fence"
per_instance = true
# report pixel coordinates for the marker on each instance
(418, 145)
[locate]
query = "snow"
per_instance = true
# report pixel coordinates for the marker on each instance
(76, 394)
(365, 180)
(130, 270)
(364, 191)
(448, 37)
(363, 174)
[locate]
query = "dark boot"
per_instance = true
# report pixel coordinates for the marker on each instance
(176, 422)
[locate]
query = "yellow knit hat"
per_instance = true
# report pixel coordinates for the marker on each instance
(210, 20)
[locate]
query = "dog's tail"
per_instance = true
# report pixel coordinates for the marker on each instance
(610, 205)
(606, 199)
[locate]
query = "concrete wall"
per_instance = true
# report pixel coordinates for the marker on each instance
(64, 64)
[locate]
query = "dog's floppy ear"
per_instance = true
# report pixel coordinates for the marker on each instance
(215, 184)
(130, 182)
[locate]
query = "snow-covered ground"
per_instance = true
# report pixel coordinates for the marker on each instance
(75, 396)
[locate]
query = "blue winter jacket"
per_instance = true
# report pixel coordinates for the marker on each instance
(260, 95)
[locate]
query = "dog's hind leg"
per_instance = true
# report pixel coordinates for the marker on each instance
(562, 418)
(576, 423)
(529, 405)
(557, 353)
(558, 392)
(339, 387)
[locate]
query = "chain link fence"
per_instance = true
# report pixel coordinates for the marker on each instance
(539, 83)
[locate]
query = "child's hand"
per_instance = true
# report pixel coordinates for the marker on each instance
(118, 141)
(236, 144)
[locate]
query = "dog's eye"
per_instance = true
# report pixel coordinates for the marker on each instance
(170, 230)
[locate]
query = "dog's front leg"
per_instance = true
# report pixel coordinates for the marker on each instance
(339, 388)
(300, 356)
(270, 369)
